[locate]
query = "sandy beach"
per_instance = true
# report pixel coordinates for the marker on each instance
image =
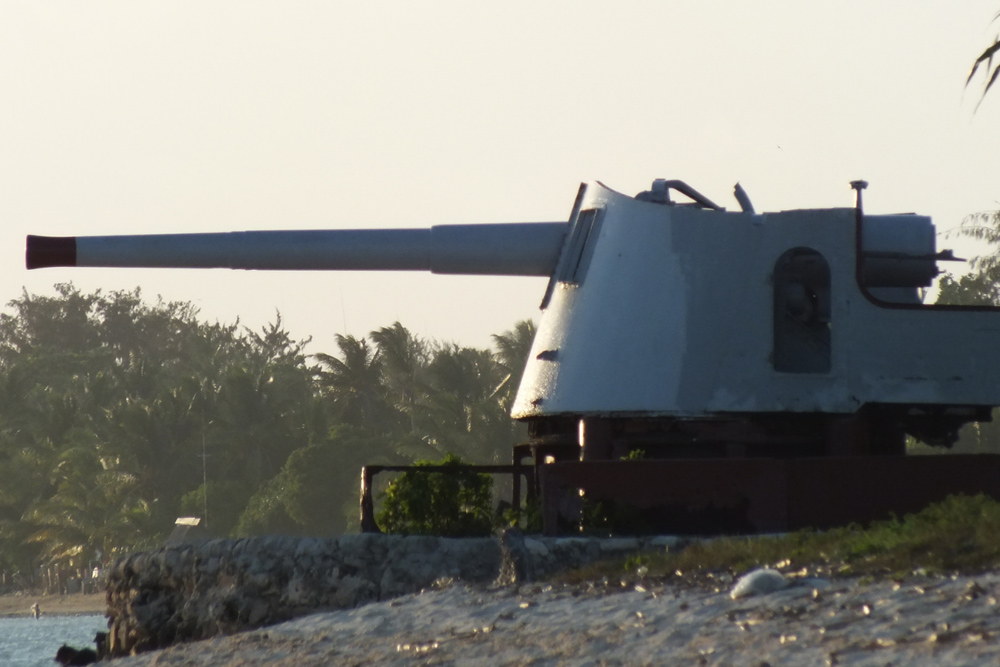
(53, 605)
(926, 621)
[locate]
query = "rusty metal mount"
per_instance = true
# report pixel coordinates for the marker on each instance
(763, 495)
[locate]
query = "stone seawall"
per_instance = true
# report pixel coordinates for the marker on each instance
(193, 591)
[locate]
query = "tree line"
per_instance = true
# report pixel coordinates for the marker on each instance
(118, 415)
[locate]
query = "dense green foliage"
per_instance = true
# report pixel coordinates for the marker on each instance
(115, 412)
(458, 504)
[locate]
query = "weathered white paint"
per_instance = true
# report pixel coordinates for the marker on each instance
(675, 317)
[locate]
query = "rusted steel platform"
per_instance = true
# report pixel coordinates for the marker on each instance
(758, 495)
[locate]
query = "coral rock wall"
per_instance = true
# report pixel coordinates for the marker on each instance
(193, 591)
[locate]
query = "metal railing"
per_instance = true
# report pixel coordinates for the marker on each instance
(516, 470)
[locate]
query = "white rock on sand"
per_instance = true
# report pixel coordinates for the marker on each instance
(923, 621)
(758, 582)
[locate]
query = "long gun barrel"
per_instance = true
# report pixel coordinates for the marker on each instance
(512, 249)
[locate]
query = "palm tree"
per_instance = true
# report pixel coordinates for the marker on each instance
(404, 360)
(460, 410)
(96, 508)
(513, 348)
(355, 383)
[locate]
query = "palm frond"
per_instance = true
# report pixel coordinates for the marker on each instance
(986, 57)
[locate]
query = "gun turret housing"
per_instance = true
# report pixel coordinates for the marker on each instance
(659, 310)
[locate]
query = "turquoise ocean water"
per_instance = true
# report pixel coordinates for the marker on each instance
(25, 642)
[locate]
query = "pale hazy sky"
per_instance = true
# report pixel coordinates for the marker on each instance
(150, 117)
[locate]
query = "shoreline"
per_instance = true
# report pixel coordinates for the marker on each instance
(73, 604)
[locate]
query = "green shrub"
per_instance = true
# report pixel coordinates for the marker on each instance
(452, 504)
(528, 518)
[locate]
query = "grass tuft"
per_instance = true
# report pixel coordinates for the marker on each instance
(959, 534)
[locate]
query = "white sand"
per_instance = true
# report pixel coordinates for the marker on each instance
(944, 621)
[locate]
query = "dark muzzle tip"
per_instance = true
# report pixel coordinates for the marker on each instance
(44, 251)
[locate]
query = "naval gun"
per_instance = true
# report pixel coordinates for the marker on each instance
(766, 368)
